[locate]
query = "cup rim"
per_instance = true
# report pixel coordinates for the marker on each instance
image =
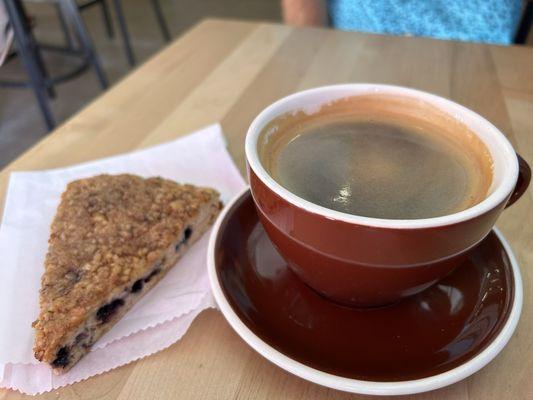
(499, 195)
(355, 385)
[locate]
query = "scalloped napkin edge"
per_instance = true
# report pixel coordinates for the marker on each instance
(36, 379)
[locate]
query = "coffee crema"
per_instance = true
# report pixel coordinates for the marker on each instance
(378, 156)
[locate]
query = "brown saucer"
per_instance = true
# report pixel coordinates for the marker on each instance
(428, 334)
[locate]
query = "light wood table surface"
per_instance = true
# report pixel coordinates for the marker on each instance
(228, 71)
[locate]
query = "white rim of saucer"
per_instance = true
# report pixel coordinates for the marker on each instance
(354, 385)
(504, 157)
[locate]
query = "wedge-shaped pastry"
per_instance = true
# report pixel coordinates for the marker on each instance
(112, 239)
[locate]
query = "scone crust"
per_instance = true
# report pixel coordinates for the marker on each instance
(108, 229)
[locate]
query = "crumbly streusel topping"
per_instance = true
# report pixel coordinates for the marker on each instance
(108, 230)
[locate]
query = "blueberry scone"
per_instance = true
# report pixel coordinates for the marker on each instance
(112, 239)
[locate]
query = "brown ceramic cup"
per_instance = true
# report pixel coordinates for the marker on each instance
(361, 261)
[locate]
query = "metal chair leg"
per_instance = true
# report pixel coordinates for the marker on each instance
(34, 48)
(106, 14)
(124, 32)
(161, 19)
(64, 27)
(24, 45)
(72, 14)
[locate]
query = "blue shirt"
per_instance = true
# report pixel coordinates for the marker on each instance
(489, 21)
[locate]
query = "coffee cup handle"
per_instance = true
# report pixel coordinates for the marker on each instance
(524, 177)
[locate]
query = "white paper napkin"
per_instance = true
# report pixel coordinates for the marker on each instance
(160, 318)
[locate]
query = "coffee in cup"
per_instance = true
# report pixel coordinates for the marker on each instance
(378, 156)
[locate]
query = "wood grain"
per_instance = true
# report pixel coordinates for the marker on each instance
(228, 71)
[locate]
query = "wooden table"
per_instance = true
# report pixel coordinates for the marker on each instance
(228, 71)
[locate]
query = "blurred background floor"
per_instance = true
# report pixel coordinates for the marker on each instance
(21, 123)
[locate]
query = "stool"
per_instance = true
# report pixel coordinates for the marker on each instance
(123, 27)
(29, 51)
